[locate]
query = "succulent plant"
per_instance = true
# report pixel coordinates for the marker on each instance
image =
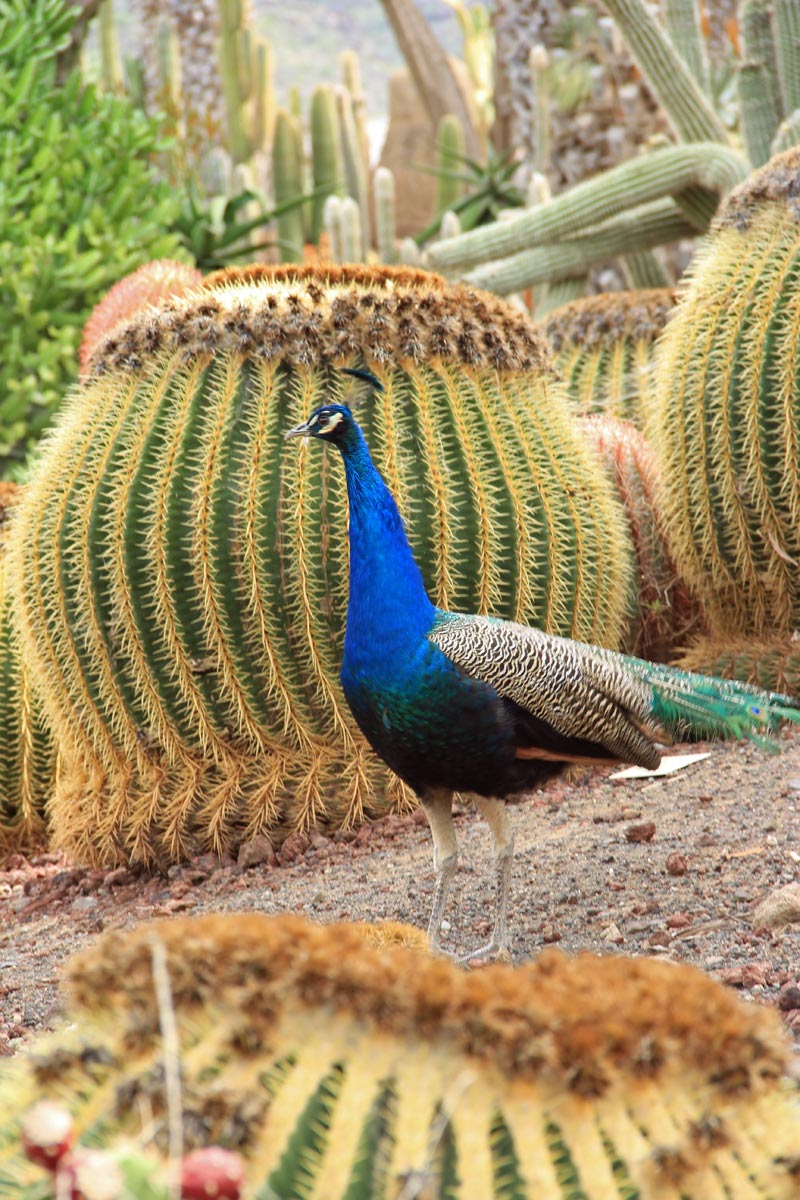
(603, 346)
(182, 583)
(339, 1070)
(772, 664)
(725, 417)
(27, 758)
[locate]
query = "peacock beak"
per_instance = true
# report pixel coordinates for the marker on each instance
(298, 431)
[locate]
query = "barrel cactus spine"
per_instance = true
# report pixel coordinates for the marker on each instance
(603, 345)
(769, 663)
(725, 423)
(339, 1069)
(27, 759)
(182, 581)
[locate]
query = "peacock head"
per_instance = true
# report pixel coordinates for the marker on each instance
(331, 422)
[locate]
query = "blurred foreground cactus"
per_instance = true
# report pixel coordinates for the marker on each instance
(340, 1070)
(726, 421)
(27, 756)
(181, 581)
(603, 346)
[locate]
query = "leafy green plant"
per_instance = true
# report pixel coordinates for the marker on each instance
(74, 215)
(211, 229)
(489, 188)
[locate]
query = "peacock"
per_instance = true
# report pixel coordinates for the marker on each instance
(472, 704)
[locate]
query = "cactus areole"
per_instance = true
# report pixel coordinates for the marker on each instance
(182, 581)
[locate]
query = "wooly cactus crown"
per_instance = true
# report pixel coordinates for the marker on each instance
(340, 1070)
(603, 346)
(181, 580)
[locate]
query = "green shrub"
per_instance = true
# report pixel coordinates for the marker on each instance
(80, 206)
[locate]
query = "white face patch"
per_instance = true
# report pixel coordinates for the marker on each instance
(330, 422)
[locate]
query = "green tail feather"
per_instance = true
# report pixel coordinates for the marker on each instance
(687, 704)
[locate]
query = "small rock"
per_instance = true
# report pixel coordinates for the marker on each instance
(117, 877)
(180, 904)
(645, 832)
(660, 939)
(676, 864)
(794, 785)
(789, 997)
(84, 903)
(732, 976)
(755, 974)
(255, 852)
(679, 920)
(779, 908)
(550, 934)
(293, 848)
(612, 933)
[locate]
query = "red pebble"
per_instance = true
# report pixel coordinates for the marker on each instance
(47, 1134)
(212, 1174)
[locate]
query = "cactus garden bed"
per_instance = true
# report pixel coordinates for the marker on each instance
(673, 868)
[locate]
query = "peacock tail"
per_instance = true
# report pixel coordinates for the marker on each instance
(601, 696)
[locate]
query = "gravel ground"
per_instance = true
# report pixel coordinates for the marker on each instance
(672, 867)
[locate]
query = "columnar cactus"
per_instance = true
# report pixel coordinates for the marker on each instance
(665, 616)
(27, 758)
(603, 346)
(726, 417)
(340, 1070)
(327, 165)
(182, 581)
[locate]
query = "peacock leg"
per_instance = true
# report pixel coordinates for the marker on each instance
(496, 816)
(438, 805)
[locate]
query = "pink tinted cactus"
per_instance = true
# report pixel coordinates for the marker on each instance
(150, 284)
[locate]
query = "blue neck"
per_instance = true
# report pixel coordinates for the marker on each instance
(388, 610)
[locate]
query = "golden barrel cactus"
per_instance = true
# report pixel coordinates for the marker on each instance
(341, 1071)
(603, 347)
(182, 581)
(726, 417)
(27, 756)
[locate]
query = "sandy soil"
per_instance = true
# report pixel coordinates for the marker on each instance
(671, 867)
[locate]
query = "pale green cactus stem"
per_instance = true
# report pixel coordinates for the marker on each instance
(352, 234)
(111, 72)
(385, 220)
(351, 78)
(642, 228)
(451, 224)
(450, 149)
(664, 172)
(787, 51)
(263, 94)
(332, 224)
(679, 94)
(216, 172)
(645, 270)
(409, 253)
(288, 185)
(326, 154)
(559, 292)
(787, 134)
(355, 173)
(760, 102)
(682, 21)
(233, 66)
(539, 60)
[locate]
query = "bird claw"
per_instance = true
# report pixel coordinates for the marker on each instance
(493, 952)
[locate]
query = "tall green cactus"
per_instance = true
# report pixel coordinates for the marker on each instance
(385, 222)
(327, 164)
(726, 419)
(27, 757)
(450, 148)
(356, 169)
(182, 581)
(760, 100)
(342, 1071)
(603, 346)
(287, 179)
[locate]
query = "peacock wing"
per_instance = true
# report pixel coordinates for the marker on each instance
(580, 692)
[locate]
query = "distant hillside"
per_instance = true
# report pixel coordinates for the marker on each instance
(309, 36)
